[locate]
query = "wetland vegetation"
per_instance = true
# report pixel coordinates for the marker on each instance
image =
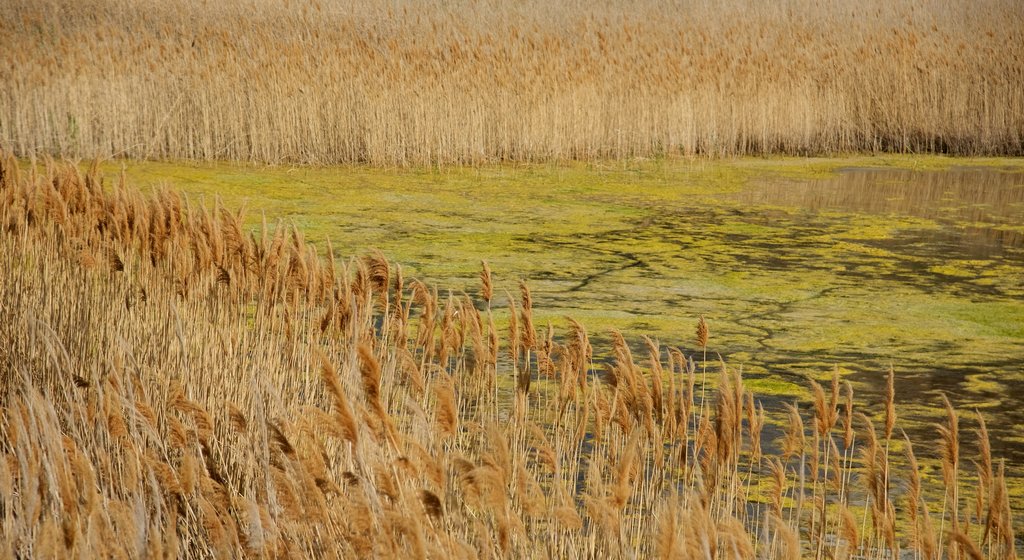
(421, 82)
(183, 382)
(478, 279)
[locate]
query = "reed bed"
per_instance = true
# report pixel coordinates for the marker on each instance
(177, 386)
(414, 82)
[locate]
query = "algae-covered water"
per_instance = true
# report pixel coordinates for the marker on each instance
(799, 266)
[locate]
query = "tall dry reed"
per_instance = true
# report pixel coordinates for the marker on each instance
(428, 82)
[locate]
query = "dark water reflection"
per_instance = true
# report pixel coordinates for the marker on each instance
(983, 206)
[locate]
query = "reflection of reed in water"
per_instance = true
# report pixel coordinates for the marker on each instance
(993, 237)
(981, 199)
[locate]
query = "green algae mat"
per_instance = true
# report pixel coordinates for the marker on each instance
(799, 265)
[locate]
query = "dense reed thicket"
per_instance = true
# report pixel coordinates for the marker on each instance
(174, 386)
(426, 81)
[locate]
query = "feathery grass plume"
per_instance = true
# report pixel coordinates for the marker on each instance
(705, 451)
(913, 493)
(602, 412)
(657, 373)
(411, 372)
(279, 439)
(700, 533)
(735, 539)
(529, 333)
(580, 352)
(848, 416)
(447, 409)
(834, 397)
(756, 424)
(545, 453)
(514, 337)
(545, 364)
(528, 490)
(980, 495)
(426, 298)
(794, 440)
(500, 456)
(672, 405)
(688, 398)
(624, 473)
(330, 268)
(822, 411)
(214, 528)
(949, 446)
(883, 498)
(667, 545)
(567, 517)
(777, 469)
(346, 421)
(114, 261)
(237, 418)
(984, 462)
(871, 453)
(889, 529)
(369, 371)
(928, 537)
(379, 274)
(583, 419)
(702, 333)
(327, 320)
(399, 289)
(789, 540)
(432, 505)
(848, 529)
(999, 517)
(486, 284)
(567, 392)
(890, 403)
(493, 344)
(729, 418)
(623, 371)
(702, 341)
(451, 336)
(967, 545)
(473, 329)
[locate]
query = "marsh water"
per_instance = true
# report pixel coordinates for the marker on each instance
(946, 286)
(798, 267)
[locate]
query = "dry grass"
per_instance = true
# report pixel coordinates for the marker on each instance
(427, 82)
(174, 386)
